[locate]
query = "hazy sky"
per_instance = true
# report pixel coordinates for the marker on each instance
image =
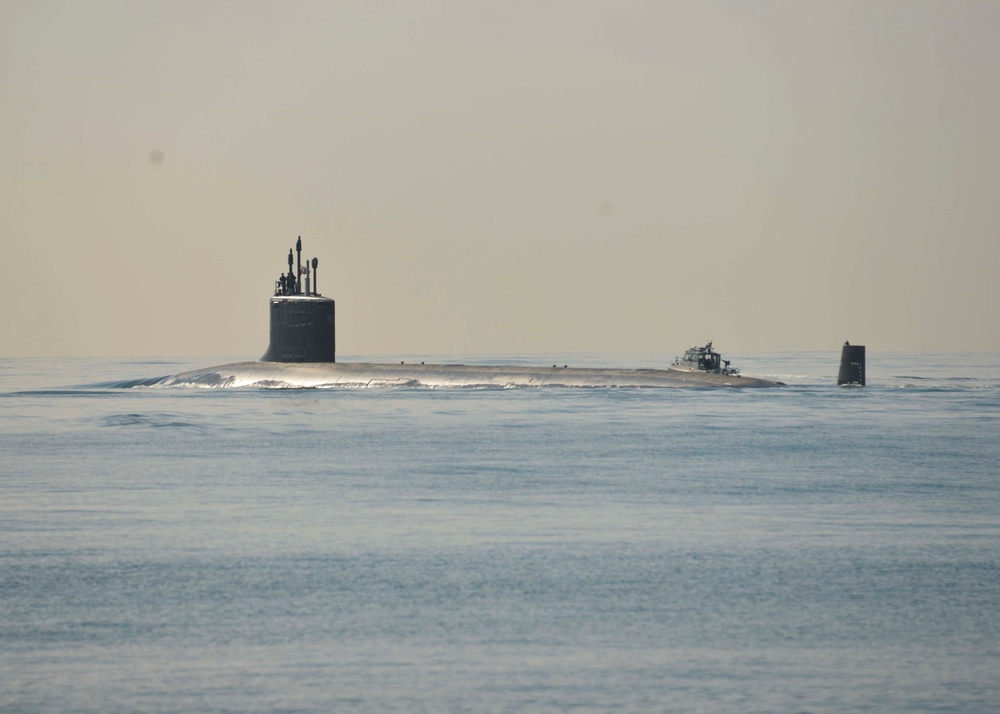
(500, 177)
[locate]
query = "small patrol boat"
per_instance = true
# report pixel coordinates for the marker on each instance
(704, 359)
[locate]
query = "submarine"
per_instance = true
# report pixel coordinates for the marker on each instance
(302, 353)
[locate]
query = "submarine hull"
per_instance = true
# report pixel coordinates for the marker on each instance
(366, 374)
(302, 353)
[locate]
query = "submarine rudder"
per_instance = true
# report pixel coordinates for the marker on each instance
(852, 365)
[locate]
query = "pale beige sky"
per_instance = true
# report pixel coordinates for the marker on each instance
(501, 177)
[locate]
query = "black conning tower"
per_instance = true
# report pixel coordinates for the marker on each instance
(303, 324)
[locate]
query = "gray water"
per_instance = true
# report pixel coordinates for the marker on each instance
(808, 548)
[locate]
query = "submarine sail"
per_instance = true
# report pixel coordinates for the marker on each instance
(303, 322)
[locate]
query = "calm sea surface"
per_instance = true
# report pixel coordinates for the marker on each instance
(803, 549)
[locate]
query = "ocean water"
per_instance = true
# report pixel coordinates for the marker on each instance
(802, 549)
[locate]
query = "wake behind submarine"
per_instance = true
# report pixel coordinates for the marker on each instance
(302, 353)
